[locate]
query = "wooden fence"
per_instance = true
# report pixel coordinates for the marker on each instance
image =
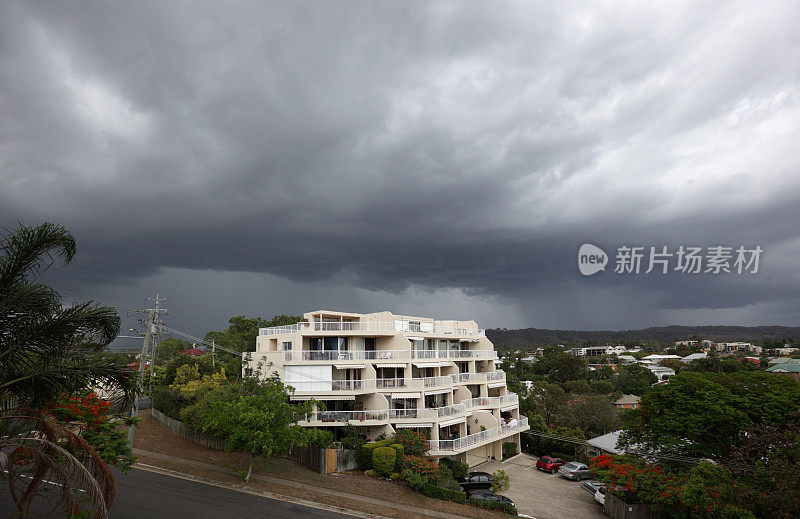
(177, 427)
(324, 461)
(616, 508)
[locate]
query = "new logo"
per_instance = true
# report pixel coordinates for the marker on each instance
(591, 259)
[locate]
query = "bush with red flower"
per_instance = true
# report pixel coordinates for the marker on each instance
(92, 418)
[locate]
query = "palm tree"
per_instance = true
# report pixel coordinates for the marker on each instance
(47, 350)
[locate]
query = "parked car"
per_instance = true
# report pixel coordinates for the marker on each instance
(600, 496)
(476, 481)
(549, 464)
(591, 486)
(488, 495)
(576, 471)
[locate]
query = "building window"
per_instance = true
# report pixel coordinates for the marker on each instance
(287, 346)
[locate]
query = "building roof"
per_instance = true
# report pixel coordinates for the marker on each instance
(628, 399)
(785, 368)
(784, 360)
(656, 356)
(607, 442)
(694, 356)
(193, 351)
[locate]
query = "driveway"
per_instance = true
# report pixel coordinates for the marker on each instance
(542, 495)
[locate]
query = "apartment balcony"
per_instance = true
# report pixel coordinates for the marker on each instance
(383, 328)
(335, 355)
(448, 447)
(337, 386)
(429, 415)
(453, 354)
(496, 375)
(324, 418)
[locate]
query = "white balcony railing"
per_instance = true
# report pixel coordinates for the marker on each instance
(404, 414)
(450, 410)
(319, 386)
(392, 383)
(471, 378)
(347, 416)
(333, 355)
(437, 381)
(495, 375)
(453, 354)
(477, 438)
(511, 398)
(435, 328)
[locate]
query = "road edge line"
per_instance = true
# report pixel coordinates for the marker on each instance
(253, 491)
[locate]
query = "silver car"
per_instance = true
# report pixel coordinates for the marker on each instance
(576, 471)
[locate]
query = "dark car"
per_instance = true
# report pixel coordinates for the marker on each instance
(549, 464)
(476, 481)
(488, 495)
(576, 471)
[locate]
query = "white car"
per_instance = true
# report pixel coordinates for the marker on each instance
(600, 496)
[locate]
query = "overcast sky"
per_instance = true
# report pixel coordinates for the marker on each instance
(429, 158)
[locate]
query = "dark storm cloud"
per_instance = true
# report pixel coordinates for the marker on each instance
(426, 145)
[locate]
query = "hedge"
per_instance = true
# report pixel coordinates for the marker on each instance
(364, 453)
(458, 468)
(167, 401)
(444, 493)
(493, 505)
(383, 460)
(398, 460)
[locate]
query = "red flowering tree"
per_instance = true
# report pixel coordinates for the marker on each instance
(414, 442)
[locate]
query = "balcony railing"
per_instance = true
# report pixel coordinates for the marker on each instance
(371, 326)
(453, 354)
(332, 385)
(450, 410)
(401, 414)
(437, 381)
(346, 416)
(333, 355)
(392, 383)
(509, 399)
(471, 378)
(495, 375)
(480, 437)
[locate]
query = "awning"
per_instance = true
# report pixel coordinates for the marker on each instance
(414, 338)
(452, 422)
(337, 397)
(413, 425)
(432, 364)
(496, 384)
(405, 395)
(437, 391)
(390, 366)
(349, 366)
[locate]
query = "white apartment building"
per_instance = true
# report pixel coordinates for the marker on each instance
(381, 372)
(596, 351)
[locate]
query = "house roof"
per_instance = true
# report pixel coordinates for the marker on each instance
(628, 399)
(193, 351)
(785, 368)
(656, 356)
(784, 360)
(694, 356)
(607, 442)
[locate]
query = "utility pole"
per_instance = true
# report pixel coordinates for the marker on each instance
(153, 319)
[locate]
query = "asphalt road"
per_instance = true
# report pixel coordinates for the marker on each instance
(142, 494)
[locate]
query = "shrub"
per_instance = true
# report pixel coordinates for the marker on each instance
(444, 493)
(167, 401)
(352, 442)
(364, 453)
(320, 438)
(509, 449)
(396, 475)
(493, 505)
(499, 481)
(383, 460)
(444, 479)
(414, 479)
(423, 466)
(398, 459)
(458, 469)
(414, 442)
(371, 473)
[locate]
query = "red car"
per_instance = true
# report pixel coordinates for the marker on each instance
(549, 464)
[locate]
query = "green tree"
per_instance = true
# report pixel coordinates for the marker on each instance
(548, 400)
(46, 350)
(635, 379)
(170, 348)
(263, 424)
(594, 415)
(691, 415)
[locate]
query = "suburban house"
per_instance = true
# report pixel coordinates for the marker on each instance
(605, 444)
(694, 356)
(662, 372)
(628, 402)
(596, 351)
(731, 347)
(791, 369)
(658, 358)
(381, 372)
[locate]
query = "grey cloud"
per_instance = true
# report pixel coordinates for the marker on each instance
(405, 148)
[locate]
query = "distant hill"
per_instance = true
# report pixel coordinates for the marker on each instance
(506, 339)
